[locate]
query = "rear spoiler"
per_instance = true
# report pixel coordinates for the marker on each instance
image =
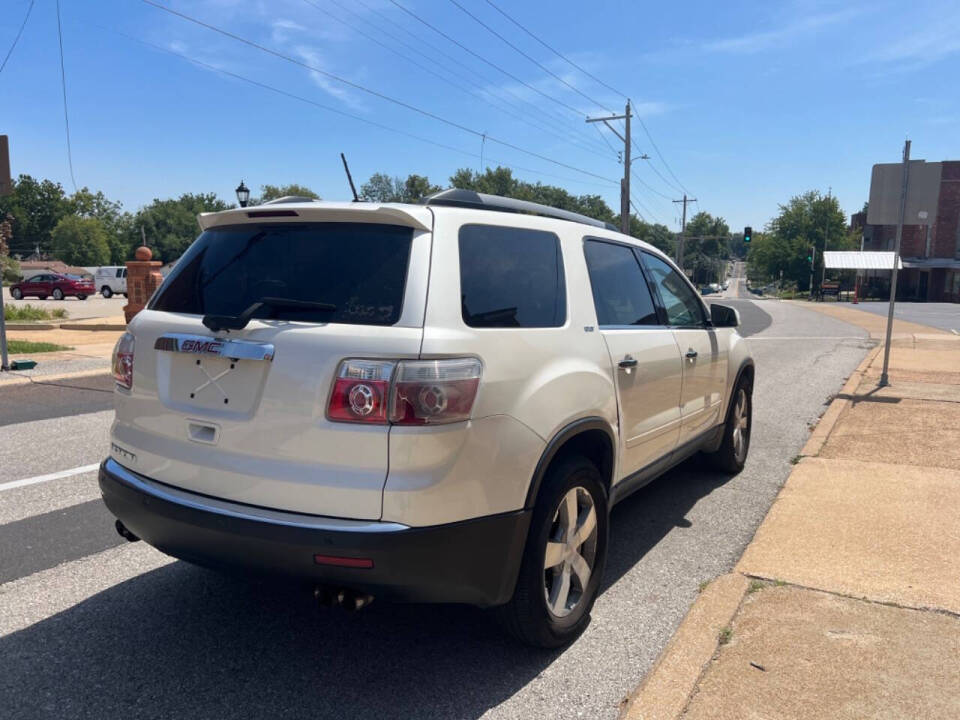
(413, 216)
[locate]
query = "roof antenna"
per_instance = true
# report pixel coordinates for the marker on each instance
(349, 177)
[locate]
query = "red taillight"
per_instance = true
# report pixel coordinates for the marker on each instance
(123, 361)
(434, 391)
(340, 561)
(407, 392)
(361, 392)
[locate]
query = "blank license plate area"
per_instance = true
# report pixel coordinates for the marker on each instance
(209, 382)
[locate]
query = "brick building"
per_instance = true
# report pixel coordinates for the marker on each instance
(930, 253)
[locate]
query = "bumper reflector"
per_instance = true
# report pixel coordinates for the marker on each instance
(343, 561)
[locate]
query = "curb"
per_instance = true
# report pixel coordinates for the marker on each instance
(828, 420)
(66, 326)
(17, 380)
(667, 688)
(670, 684)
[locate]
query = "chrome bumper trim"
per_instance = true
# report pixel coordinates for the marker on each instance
(244, 512)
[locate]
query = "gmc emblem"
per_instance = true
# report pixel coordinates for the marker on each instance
(204, 347)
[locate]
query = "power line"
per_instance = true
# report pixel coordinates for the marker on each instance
(634, 201)
(17, 38)
(485, 60)
(660, 175)
(487, 100)
(640, 214)
(374, 93)
(531, 59)
(63, 85)
(338, 111)
(649, 187)
(556, 52)
(596, 79)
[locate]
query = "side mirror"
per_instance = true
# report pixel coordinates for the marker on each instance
(724, 316)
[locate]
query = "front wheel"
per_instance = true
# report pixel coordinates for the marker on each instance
(106, 291)
(57, 294)
(732, 454)
(564, 558)
(81, 297)
(16, 294)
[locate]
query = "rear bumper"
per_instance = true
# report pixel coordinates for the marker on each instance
(473, 561)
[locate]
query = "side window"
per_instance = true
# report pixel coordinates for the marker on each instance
(119, 272)
(511, 277)
(620, 291)
(681, 303)
(36, 278)
(124, 271)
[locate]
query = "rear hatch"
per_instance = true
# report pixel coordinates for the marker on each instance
(240, 413)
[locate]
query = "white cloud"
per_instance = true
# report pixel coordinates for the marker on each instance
(312, 58)
(282, 29)
(792, 30)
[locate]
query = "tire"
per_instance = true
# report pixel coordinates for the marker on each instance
(125, 295)
(81, 297)
(106, 291)
(41, 297)
(57, 294)
(16, 294)
(731, 456)
(530, 616)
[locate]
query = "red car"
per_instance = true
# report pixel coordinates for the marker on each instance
(53, 284)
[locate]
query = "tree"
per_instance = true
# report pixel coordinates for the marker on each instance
(382, 188)
(808, 220)
(36, 207)
(706, 247)
(85, 203)
(171, 225)
(80, 241)
(272, 192)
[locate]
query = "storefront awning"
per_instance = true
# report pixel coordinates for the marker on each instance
(853, 260)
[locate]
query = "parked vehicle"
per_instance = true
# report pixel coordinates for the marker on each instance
(432, 403)
(55, 285)
(111, 280)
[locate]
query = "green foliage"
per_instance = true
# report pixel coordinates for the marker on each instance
(28, 312)
(80, 241)
(26, 346)
(381, 188)
(86, 203)
(272, 192)
(36, 206)
(706, 247)
(171, 225)
(10, 270)
(807, 220)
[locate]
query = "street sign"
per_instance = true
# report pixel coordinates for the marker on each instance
(886, 182)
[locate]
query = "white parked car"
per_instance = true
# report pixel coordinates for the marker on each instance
(436, 402)
(111, 280)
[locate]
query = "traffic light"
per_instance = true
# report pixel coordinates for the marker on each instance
(747, 234)
(810, 256)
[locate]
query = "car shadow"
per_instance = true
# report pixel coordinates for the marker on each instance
(180, 641)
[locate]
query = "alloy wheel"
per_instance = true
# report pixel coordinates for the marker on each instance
(571, 552)
(741, 425)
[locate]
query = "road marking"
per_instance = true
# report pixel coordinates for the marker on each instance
(52, 476)
(809, 337)
(954, 331)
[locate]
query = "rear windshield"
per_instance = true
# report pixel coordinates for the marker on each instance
(357, 268)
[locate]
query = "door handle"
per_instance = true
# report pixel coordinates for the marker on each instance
(691, 353)
(628, 362)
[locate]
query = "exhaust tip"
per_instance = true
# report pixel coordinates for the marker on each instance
(348, 600)
(123, 532)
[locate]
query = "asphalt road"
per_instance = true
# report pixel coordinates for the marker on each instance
(93, 627)
(94, 306)
(945, 316)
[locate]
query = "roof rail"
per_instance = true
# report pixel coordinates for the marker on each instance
(289, 199)
(480, 201)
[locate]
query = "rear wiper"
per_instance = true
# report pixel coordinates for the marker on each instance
(238, 322)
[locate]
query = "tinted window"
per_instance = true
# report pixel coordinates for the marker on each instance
(36, 278)
(682, 305)
(620, 291)
(358, 268)
(120, 272)
(511, 277)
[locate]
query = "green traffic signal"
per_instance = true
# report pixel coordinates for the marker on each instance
(747, 234)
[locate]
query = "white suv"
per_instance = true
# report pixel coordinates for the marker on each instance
(435, 403)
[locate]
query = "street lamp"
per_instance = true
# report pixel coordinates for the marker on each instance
(243, 194)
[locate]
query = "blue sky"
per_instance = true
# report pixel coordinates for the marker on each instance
(748, 102)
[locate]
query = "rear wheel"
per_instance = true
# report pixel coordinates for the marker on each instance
(42, 297)
(563, 560)
(732, 453)
(106, 291)
(16, 294)
(57, 294)
(81, 297)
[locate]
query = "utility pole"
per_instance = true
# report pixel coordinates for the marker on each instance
(813, 261)
(683, 228)
(625, 183)
(884, 379)
(826, 231)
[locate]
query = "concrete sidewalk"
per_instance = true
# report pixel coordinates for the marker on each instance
(846, 604)
(90, 354)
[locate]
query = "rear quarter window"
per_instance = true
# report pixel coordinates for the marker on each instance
(358, 268)
(511, 277)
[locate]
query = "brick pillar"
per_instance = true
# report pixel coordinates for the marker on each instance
(143, 277)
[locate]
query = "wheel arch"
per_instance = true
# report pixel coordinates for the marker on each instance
(591, 437)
